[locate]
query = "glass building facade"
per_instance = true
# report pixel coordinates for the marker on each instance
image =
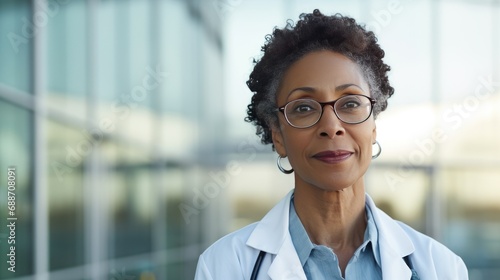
(109, 114)
(123, 121)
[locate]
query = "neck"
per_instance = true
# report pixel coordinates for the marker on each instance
(335, 219)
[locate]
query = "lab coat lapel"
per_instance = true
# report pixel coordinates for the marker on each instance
(272, 236)
(393, 265)
(394, 244)
(271, 232)
(286, 265)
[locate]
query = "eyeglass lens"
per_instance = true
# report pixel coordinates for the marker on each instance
(351, 109)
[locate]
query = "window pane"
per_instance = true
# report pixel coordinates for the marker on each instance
(401, 192)
(65, 156)
(175, 179)
(464, 61)
(473, 214)
(17, 32)
(67, 57)
(130, 201)
(16, 152)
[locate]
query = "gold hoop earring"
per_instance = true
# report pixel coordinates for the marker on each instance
(379, 150)
(278, 162)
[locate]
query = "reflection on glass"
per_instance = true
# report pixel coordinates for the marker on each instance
(16, 152)
(65, 157)
(181, 270)
(172, 197)
(473, 214)
(401, 192)
(66, 57)
(130, 196)
(17, 37)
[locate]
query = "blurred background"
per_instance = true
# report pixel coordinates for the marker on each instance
(124, 122)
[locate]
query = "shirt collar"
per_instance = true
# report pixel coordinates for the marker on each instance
(371, 235)
(304, 246)
(300, 239)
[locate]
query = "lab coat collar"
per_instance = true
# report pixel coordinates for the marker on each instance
(272, 236)
(271, 232)
(394, 244)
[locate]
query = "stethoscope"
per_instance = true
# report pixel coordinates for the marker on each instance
(262, 254)
(257, 265)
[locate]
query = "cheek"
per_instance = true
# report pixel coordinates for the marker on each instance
(296, 142)
(364, 139)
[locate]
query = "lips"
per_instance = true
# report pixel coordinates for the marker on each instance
(333, 156)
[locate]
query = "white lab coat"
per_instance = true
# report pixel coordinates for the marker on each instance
(233, 256)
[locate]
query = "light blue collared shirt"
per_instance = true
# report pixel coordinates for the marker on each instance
(320, 262)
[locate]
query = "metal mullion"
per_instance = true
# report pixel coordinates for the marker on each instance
(170, 256)
(159, 230)
(93, 212)
(434, 209)
(64, 118)
(17, 97)
(495, 29)
(41, 220)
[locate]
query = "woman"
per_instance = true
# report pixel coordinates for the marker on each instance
(317, 91)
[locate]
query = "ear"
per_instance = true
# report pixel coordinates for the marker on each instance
(278, 141)
(374, 133)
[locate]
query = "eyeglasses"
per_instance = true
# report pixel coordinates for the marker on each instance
(350, 109)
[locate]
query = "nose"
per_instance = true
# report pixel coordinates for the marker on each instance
(329, 125)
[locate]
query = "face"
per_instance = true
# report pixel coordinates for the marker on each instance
(330, 155)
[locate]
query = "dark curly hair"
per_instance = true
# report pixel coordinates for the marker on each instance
(313, 32)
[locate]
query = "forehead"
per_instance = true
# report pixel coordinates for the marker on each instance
(323, 70)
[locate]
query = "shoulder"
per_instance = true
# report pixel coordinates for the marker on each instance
(431, 253)
(430, 258)
(229, 256)
(233, 242)
(406, 239)
(233, 256)
(427, 245)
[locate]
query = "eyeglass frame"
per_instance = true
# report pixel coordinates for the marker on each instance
(323, 104)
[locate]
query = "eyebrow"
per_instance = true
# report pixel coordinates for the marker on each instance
(338, 88)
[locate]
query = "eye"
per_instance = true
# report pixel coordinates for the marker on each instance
(303, 107)
(350, 102)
